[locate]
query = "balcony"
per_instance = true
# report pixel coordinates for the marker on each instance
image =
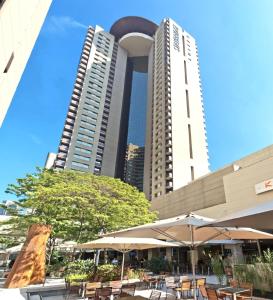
(68, 127)
(61, 156)
(63, 148)
(67, 134)
(59, 163)
(72, 108)
(169, 158)
(71, 115)
(65, 141)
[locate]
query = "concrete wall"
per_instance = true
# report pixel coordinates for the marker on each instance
(20, 24)
(222, 192)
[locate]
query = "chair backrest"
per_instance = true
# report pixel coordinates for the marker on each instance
(128, 289)
(93, 285)
(249, 286)
(103, 292)
(117, 284)
(212, 294)
(200, 282)
(90, 288)
(169, 279)
(183, 278)
(233, 283)
(186, 285)
(155, 295)
(203, 291)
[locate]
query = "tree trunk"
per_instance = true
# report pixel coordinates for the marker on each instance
(29, 266)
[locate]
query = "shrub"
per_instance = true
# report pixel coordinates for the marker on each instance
(108, 272)
(79, 267)
(159, 264)
(218, 268)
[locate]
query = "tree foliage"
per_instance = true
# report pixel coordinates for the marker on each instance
(78, 205)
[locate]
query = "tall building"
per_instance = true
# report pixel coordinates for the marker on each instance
(95, 134)
(134, 166)
(20, 24)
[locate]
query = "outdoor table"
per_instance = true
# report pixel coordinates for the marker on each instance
(233, 291)
(133, 298)
(45, 291)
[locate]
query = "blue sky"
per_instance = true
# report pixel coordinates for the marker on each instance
(235, 40)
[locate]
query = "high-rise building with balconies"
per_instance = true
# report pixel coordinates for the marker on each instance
(134, 166)
(143, 77)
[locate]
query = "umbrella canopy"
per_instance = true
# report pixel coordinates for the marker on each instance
(185, 228)
(260, 217)
(125, 244)
(181, 228)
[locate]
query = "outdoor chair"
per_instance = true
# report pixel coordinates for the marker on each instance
(170, 296)
(212, 294)
(185, 287)
(183, 278)
(200, 282)
(128, 290)
(246, 295)
(90, 289)
(170, 283)
(155, 295)
(234, 283)
(149, 281)
(203, 292)
(73, 288)
(116, 287)
(103, 293)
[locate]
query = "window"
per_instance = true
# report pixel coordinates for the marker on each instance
(2, 2)
(83, 150)
(192, 173)
(84, 136)
(87, 130)
(81, 157)
(9, 62)
(190, 141)
(188, 103)
(77, 164)
(84, 143)
(185, 71)
(88, 124)
(183, 41)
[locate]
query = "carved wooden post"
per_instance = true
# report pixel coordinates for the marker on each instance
(29, 266)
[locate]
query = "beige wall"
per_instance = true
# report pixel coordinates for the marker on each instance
(225, 191)
(20, 24)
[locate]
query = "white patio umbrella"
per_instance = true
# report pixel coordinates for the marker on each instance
(184, 229)
(259, 217)
(124, 245)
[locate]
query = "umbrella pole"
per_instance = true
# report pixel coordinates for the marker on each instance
(259, 248)
(122, 265)
(193, 263)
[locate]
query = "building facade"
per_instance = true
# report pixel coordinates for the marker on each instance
(134, 166)
(95, 133)
(20, 24)
(244, 183)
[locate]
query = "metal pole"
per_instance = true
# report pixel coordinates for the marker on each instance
(193, 263)
(259, 248)
(122, 265)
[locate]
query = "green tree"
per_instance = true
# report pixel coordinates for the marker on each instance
(77, 205)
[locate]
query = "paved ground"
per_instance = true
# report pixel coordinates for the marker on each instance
(58, 284)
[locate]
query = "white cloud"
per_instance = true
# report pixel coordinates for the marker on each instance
(60, 24)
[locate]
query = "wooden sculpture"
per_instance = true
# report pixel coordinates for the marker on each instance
(29, 266)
